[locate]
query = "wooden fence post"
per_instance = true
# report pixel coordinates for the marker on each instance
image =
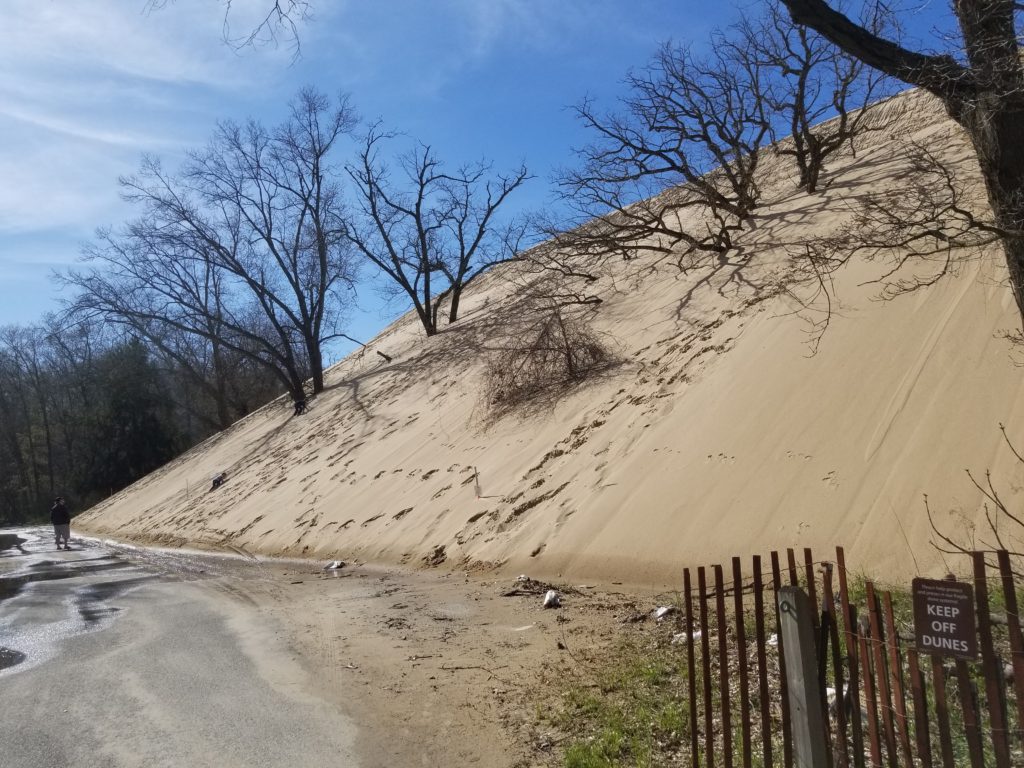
(796, 625)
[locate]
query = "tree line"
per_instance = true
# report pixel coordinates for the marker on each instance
(240, 267)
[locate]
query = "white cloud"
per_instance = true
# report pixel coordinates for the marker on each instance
(180, 43)
(86, 87)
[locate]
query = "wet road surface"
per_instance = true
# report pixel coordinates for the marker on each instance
(115, 657)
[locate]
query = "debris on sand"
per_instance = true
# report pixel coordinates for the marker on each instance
(436, 556)
(682, 638)
(527, 586)
(663, 611)
(552, 599)
(335, 565)
(530, 587)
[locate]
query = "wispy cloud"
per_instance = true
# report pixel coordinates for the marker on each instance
(85, 88)
(178, 44)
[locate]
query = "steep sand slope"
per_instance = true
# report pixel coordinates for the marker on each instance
(716, 434)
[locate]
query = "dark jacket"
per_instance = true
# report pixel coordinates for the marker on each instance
(59, 514)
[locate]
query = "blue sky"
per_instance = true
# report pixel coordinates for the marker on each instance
(87, 87)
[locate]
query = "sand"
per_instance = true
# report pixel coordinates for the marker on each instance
(442, 669)
(717, 432)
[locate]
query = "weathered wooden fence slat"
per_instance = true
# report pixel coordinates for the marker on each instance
(741, 653)
(762, 665)
(920, 699)
(942, 712)
(691, 666)
(871, 701)
(874, 696)
(723, 666)
(852, 655)
(989, 666)
(969, 708)
(840, 752)
(705, 661)
(881, 675)
(896, 674)
(812, 592)
(1016, 639)
(787, 734)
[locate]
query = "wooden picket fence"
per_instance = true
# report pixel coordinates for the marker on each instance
(886, 705)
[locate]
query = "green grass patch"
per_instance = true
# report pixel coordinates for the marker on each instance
(628, 711)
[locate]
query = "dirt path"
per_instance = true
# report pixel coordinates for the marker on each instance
(424, 667)
(434, 668)
(440, 669)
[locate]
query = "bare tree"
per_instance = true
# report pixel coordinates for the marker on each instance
(677, 167)
(821, 95)
(244, 249)
(981, 84)
(433, 232)
(277, 22)
(276, 188)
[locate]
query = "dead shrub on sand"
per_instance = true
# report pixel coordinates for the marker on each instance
(542, 360)
(1004, 525)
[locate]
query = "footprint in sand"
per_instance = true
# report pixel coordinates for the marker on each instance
(722, 458)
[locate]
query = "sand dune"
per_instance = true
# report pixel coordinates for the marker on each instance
(716, 432)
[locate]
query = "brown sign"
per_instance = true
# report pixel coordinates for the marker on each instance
(944, 622)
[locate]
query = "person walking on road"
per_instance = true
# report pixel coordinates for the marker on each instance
(61, 519)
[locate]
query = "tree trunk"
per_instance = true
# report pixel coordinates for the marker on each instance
(10, 434)
(316, 365)
(985, 97)
(428, 319)
(220, 387)
(453, 309)
(997, 132)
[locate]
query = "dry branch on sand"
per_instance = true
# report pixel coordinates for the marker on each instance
(542, 361)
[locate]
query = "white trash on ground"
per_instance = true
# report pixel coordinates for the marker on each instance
(681, 638)
(552, 599)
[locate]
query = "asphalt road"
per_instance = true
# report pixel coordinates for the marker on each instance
(112, 660)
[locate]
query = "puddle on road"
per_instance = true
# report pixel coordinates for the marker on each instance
(9, 657)
(89, 599)
(98, 577)
(11, 541)
(53, 570)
